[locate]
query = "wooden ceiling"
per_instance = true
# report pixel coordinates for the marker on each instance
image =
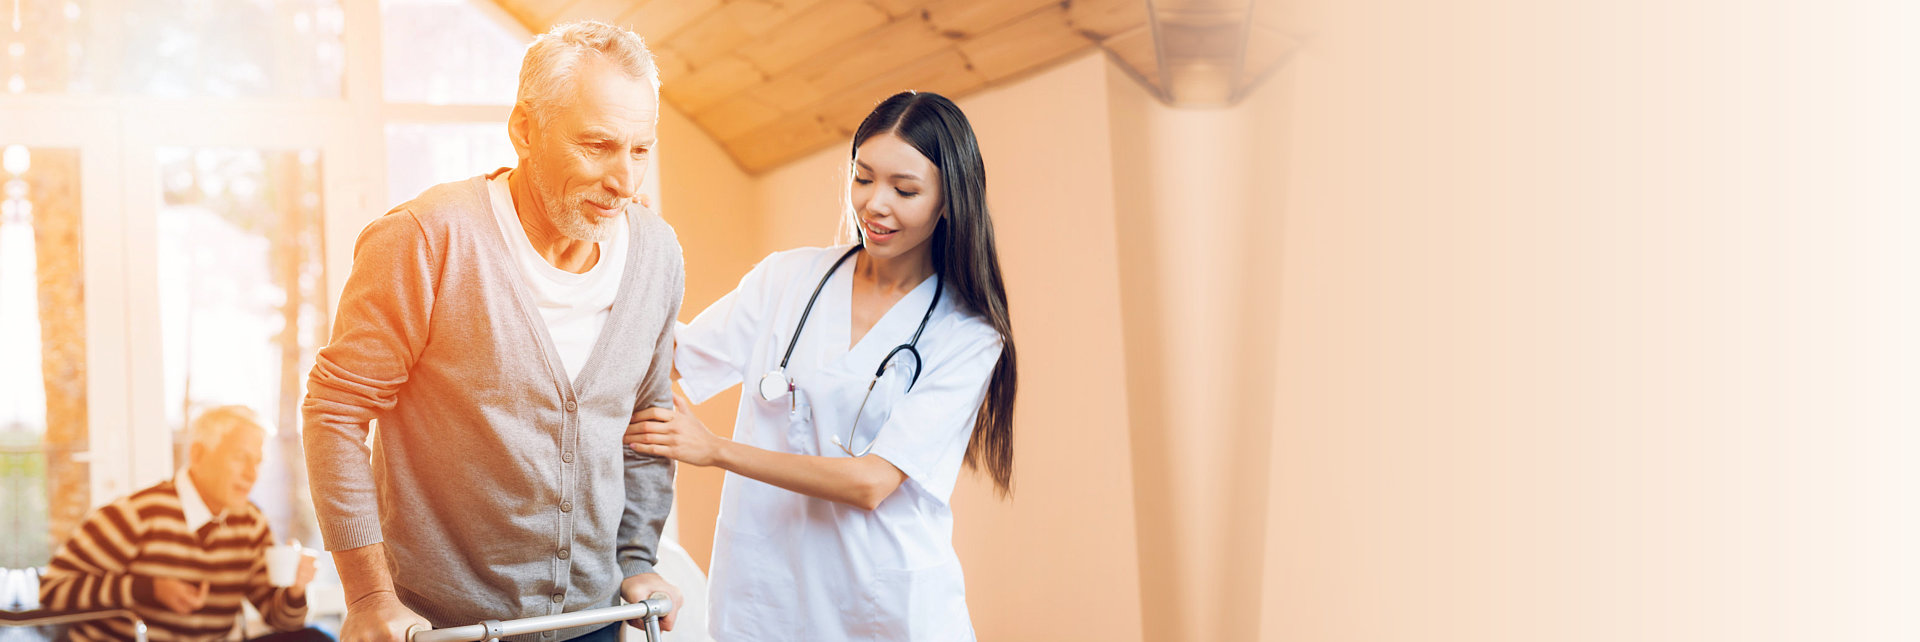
(774, 80)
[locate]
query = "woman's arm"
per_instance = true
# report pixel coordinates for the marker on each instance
(677, 434)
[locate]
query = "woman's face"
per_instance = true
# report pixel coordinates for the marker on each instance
(896, 196)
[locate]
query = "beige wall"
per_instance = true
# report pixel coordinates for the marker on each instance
(1598, 324)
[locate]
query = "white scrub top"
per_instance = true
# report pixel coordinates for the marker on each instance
(791, 567)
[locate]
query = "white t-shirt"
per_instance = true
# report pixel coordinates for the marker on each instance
(787, 566)
(574, 306)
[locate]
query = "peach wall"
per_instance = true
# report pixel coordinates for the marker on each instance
(711, 204)
(802, 200)
(1599, 324)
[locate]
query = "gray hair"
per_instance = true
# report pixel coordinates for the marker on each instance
(214, 425)
(551, 60)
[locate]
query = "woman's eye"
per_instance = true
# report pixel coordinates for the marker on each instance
(863, 181)
(906, 194)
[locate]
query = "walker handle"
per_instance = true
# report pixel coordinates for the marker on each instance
(650, 611)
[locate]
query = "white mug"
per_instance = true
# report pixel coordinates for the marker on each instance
(283, 563)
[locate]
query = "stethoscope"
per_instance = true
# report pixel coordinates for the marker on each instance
(775, 383)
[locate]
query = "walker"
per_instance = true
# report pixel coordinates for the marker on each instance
(649, 611)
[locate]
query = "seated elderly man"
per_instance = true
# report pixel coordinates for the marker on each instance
(184, 552)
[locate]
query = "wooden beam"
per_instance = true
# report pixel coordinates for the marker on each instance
(607, 11)
(659, 20)
(760, 17)
(672, 67)
(836, 113)
(1038, 39)
(780, 142)
(788, 92)
(710, 37)
(524, 13)
(897, 9)
(811, 32)
(945, 73)
(969, 18)
(707, 85)
(869, 55)
(736, 117)
(542, 12)
(1102, 19)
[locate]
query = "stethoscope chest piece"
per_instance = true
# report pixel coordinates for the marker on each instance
(775, 384)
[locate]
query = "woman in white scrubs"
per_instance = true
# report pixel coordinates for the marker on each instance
(834, 520)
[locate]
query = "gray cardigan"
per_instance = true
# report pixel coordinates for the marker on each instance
(500, 488)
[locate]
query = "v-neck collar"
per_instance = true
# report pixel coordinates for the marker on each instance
(523, 296)
(897, 323)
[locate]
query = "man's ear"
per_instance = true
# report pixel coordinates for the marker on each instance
(195, 453)
(520, 130)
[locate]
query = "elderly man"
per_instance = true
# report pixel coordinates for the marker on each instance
(502, 330)
(185, 552)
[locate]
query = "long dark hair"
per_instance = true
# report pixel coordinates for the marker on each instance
(964, 255)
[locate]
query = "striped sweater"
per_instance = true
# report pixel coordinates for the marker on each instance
(112, 559)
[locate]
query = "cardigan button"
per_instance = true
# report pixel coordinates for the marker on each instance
(572, 406)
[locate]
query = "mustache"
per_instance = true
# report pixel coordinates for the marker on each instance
(607, 203)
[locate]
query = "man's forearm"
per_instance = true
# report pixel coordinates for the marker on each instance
(363, 570)
(649, 498)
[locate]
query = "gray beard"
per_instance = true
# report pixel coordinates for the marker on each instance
(570, 218)
(574, 222)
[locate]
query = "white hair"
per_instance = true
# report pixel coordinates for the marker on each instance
(548, 69)
(214, 425)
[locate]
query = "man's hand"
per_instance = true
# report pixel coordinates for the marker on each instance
(179, 597)
(309, 566)
(380, 617)
(638, 587)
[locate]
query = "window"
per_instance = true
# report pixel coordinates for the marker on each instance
(45, 51)
(421, 155)
(43, 418)
(233, 48)
(447, 52)
(242, 302)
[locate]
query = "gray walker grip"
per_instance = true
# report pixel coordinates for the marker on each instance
(649, 612)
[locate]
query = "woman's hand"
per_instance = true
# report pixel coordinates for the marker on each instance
(675, 434)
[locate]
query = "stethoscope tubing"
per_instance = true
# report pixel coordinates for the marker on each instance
(912, 346)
